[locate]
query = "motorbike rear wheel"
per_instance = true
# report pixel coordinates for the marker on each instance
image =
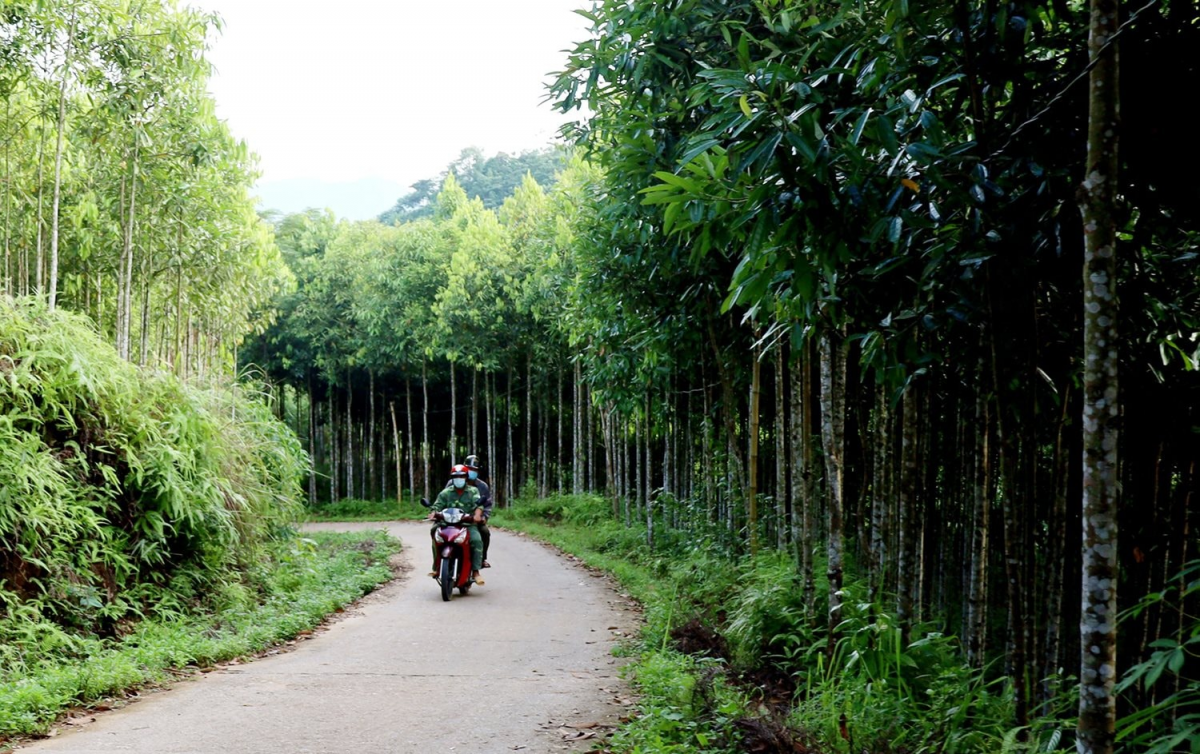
(447, 579)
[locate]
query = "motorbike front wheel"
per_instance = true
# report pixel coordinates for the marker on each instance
(447, 578)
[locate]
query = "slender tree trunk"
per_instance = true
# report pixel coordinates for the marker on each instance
(799, 499)
(474, 449)
(577, 436)
(1101, 403)
(349, 437)
(408, 415)
(638, 503)
(40, 260)
(833, 409)
(752, 433)
(453, 417)
(333, 448)
(373, 490)
(399, 457)
(527, 455)
(879, 505)
(1056, 532)
(809, 496)
(508, 424)
(977, 591)
(558, 458)
(649, 494)
(312, 443)
(610, 476)
(58, 158)
(9, 287)
(782, 504)
(127, 302)
(425, 428)
(905, 571)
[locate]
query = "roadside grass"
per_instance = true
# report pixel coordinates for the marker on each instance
(307, 579)
(731, 660)
(357, 510)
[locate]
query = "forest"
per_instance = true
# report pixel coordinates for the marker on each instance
(854, 311)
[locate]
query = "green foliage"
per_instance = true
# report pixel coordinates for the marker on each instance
(352, 509)
(1168, 677)
(491, 179)
(124, 492)
(685, 707)
(302, 581)
(884, 695)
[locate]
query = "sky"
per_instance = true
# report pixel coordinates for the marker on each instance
(386, 89)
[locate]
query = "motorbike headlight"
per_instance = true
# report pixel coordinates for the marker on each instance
(437, 537)
(462, 537)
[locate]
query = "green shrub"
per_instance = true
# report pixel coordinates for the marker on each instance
(124, 492)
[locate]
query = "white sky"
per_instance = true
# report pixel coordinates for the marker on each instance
(392, 89)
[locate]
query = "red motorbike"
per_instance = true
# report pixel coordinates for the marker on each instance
(453, 561)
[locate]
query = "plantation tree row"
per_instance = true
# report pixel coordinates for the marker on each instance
(124, 197)
(820, 289)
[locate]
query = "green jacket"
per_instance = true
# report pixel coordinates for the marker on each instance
(467, 499)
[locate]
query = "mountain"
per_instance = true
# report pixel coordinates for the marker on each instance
(363, 199)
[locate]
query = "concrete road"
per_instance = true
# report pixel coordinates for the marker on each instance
(506, 668)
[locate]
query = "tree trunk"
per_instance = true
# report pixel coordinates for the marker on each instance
(1101, 403)
(879, 504)
(558, 458)
(782, 505)
(453, 417)
(333, 448)
(399, 457)
(527, 455)
(425, 427)
(312, 443)
(809, 490)
(412, 472)
(752, 433)
(474, 449)
(906, 549)
(349, 437)
(977, 599)
(58, 158)
(9, 288)
(833, 412)
(1056, 531)
(649, 494)
(371, 478)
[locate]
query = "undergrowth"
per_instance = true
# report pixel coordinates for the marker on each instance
(730, 659)
(354, 509)
(126, 493)
(303, 581)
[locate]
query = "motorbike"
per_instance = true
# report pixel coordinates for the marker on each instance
(453, 561)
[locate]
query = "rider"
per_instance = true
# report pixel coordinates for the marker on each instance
(459, 494)
(474, 468)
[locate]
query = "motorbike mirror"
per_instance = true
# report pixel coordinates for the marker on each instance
(425, 503)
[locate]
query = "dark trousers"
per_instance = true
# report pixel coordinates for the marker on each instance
(486, 535)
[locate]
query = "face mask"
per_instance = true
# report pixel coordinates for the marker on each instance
(473, 474)
(459, 483)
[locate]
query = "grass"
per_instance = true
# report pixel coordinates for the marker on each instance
(759, 676)
(309, 578)
(365, 510)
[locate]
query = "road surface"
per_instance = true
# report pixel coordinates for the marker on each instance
(521, 664)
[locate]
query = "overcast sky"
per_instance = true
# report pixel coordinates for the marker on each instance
(391, 89)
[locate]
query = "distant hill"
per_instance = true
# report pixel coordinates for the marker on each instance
(492, 179)
(363, 199)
